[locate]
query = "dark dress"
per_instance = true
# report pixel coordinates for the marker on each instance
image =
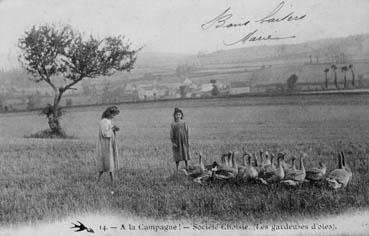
(179, 136)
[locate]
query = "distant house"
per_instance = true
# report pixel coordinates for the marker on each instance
(221, 86)
(146, 92)
(173, 93)
(152, 92)
(206, 88)
(191, 85)
(239, 87)
(171, 90)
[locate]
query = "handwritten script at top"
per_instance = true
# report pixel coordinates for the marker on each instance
(275, 16)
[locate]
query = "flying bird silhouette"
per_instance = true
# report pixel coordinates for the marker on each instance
(81, 227)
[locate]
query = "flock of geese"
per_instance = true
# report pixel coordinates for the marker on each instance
(263, 169)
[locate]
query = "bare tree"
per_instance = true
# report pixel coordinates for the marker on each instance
(326, 70)
(334, 68)
(344, 70)
(62, 57)
(351, 67)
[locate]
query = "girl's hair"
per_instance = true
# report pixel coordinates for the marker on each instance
(113, 110)
(177, 110)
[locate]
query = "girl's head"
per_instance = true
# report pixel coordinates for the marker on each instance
(110, 112)
(178, 114)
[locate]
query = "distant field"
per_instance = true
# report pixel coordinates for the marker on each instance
(43, 179)
(309, 118)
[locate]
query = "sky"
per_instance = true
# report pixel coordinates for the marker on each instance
(175, 26)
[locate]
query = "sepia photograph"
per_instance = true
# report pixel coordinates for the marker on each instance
(184, 117)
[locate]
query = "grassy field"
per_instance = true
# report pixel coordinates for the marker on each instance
(51, 179)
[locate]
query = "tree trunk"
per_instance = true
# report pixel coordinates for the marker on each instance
(54, 124)
(335, 80)
(326, 80)
(345, 80)
(55, 116)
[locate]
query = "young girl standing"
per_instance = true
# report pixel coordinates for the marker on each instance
(179, 138)
(107, 151)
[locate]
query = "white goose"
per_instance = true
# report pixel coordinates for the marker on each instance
(224, 171)
(225, 159)
(258, 163)
(250, 171)
(243, 167)
(234, 167)
(196, 170)
(268, 169)
(268, 160)
(297, 175)
(222, 162)
(279, 172)
(316, 173)
(292, 167)
(339, 177)
(294, 177)
(288, 167)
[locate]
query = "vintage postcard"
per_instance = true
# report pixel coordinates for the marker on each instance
(184, 117)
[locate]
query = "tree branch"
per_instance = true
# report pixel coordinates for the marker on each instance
(47, 80)
(68, 86)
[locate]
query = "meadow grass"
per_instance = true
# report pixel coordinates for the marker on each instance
(51, 179)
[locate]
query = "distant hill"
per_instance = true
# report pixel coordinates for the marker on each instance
(353, 47)
(274, 64)
(260, 64)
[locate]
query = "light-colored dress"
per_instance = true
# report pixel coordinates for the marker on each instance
(107, 152)
(179, 136)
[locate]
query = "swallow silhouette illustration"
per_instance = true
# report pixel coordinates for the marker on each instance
(81, 227)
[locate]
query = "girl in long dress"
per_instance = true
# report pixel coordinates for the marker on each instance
(179, 138)
(107, 152)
